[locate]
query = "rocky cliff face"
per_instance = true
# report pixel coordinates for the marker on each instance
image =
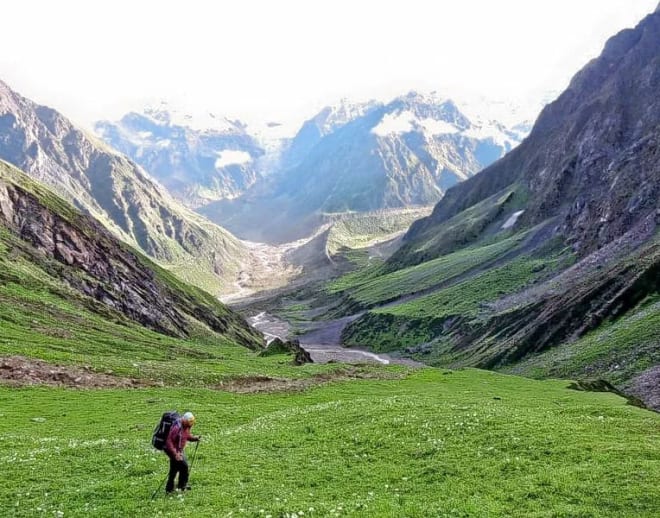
(111, 188)
(592, 158)
(78, 251)
(196, 165)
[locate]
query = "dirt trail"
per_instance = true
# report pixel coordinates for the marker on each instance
(20, 371)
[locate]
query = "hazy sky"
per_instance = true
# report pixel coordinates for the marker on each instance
(283, 59)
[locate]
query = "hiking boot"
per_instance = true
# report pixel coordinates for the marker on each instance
(187, 488)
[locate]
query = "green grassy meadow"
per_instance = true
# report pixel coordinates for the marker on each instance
(435, 443)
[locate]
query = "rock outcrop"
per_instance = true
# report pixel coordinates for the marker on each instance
(293, 347)
(592, 159)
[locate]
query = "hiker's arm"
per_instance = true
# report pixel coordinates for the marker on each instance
(169, 444)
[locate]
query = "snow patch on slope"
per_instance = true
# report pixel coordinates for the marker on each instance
(393, 123)
(231, 157)
(405, 121)
(512, 220)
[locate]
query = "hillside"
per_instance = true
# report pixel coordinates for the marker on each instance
(549, 247)
(60, 267)
(84, 379)
(365, 157)
(115, 191)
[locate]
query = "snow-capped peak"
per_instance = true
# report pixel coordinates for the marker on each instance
(333, 116)
(165, 114)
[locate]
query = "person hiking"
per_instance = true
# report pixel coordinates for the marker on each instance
(174, 448)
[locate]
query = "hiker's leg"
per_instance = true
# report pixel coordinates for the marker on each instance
(174, 468)
(183, 473)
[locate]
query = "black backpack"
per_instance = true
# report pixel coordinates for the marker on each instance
(162, 430)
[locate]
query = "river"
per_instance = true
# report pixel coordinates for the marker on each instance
(323, 342)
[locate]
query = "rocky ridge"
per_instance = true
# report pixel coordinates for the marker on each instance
(115, 191)
(78, 251)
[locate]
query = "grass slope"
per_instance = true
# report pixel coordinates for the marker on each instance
(368, 288)
(420, 320)
(466, 443)
(30, 277)
(41, 317)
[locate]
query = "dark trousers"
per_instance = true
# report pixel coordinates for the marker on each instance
(180, 467)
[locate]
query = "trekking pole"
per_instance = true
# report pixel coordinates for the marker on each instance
(194, 456)
(158, 488)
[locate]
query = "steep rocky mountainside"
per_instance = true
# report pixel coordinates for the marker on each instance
(366, 157)
(44, 236)
(591, 159)
(114, 190)
(196, 165)
(552, 245)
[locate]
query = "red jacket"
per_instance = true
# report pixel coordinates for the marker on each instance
(178, 437)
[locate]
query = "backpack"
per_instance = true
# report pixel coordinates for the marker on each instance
(162, 430)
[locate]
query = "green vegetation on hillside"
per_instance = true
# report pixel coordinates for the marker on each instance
(359, 230)
(422, 319)
(41, 317)
(462, 230)
(368, 289)
(466, 298)
(48, 249)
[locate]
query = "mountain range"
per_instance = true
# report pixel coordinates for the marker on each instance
(365, 157)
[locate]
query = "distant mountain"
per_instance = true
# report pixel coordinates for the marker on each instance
(366, 157)
(69, 267)
(548, 261)
(323, 123)
(114, 190)
(198, 159)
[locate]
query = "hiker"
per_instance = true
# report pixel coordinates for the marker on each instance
(174, 445)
